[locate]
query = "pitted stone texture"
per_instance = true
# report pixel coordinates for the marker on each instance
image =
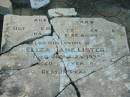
(112, 81)
(18, 29)
(18, 58)
(34, 81)
(5, 7)
(68, 92)
(113, 78)
(60, 12)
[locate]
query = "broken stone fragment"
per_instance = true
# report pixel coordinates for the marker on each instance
(37, 81)
(88, 44)
(36, 4)
(19, 29)
(112, 81)
(5, 7)
(18, 58)
(113, 76)
(68, 92)
(59, 12)
(45, 48)
(90, 38)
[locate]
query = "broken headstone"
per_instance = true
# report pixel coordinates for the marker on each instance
(23, 29)
(84, 54)
(110, 81)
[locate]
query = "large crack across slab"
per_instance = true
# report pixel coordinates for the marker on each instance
(6, 72)
(73, 84)
(4, 69)
(71, 81)
(65, 69)
(29, 41)
(101, 68)
(91, 73)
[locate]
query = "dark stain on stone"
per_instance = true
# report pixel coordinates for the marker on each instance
(1, 88)
(4, 73)
(14, 91)
(126, 94)
(1, 26)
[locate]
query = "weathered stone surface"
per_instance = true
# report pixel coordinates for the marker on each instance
(18, 58)
(44, 48)
(109, 81)
(18, 29)
(34, 81)
(57, 12)
(112, 81)
(88, 45)
(5, 7)
(36, 4)
(96, 37)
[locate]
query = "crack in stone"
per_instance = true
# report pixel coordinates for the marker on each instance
(29, 41)
(62, 90)
(120, 58)
(93, 72)
(36, 55)
(103, 67)
(14, 71)
(4, 76)
(70, 83)
(73, 84)
(19, 69)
